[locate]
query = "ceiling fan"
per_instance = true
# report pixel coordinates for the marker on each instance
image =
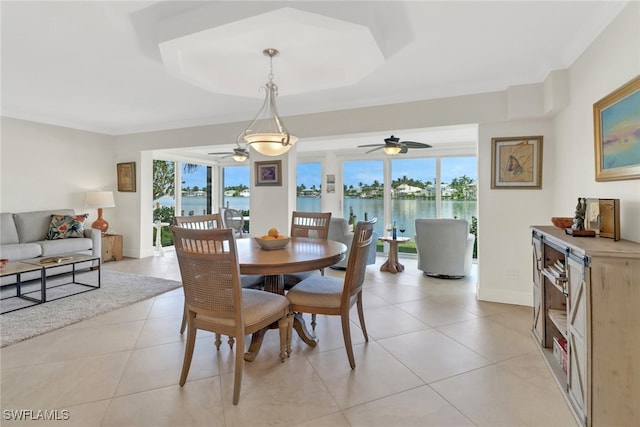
(393, 146)
(239, 154)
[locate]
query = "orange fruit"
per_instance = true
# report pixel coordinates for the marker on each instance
(273, 231)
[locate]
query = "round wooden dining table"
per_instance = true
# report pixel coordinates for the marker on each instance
(301, 254)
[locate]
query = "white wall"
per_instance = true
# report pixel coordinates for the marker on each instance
(50, 167)
(612, 60)
(504, 249)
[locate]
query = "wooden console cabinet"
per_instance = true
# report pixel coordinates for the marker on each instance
(111, 247)
(587, 291)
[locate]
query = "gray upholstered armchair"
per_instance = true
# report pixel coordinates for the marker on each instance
(340, 232)
(445, 247)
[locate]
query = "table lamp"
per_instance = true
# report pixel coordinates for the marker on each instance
(100, 199)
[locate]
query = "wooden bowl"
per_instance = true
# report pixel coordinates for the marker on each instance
(273, 244)
(562, 221)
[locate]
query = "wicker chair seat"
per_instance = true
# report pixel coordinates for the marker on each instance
(258, 308)
(319, 291)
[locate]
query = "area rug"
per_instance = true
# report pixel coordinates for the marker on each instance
(116, 290)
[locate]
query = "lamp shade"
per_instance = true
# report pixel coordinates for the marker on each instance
(100, 199)
(270, 144)
(391, 150)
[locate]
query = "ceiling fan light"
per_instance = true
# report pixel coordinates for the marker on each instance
(392, 151)
(266, 133)
(239, 157)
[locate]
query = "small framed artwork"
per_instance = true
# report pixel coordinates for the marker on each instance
(616, 123)
(331, 178)
(610, 218)
(127, 177)
(269, 173)
(592, 215)
(516, 162)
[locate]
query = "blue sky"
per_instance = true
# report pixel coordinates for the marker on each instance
(365, 171)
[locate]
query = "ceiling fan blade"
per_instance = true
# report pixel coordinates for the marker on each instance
(412, 144)
(371, 145)
(404, 149)
(218, 154)
(375, 149)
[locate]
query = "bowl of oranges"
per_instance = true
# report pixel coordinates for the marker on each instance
(273, 240)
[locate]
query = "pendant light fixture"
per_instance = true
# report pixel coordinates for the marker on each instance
(266, 133)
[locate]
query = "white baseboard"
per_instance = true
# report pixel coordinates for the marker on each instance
(506, 297)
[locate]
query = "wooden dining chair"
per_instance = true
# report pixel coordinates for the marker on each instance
(307, 224)
(215, 300)
(199, 222)
(207, 222)
(332, 296)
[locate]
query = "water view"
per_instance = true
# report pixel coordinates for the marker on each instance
(404, 211)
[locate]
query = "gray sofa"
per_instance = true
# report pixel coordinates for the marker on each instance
(24, 236)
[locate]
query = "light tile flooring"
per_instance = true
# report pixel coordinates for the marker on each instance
(436, 357)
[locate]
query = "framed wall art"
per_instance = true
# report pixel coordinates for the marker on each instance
(616, 123)
(516, 162)
(127, 177)
(269, 173)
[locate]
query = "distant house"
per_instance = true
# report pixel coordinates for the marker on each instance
(245, 193)
(309, 193)
(406, 189)
(229, 193)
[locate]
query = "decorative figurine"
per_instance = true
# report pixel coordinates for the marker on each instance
(581, 209)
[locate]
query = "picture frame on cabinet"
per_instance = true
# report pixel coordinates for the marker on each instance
(516, 162)
(616, 119)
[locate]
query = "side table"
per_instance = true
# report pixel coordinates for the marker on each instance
(392, 265)
(158, 226)
(111, 247)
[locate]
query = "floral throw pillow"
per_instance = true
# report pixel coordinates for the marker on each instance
(65, 226)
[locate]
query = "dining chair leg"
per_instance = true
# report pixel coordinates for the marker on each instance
(290, 318)
(313, 315)
(283, 327)
(361, 317)
(184, 320)
(239, 367)
(188, 351)
(346, 334)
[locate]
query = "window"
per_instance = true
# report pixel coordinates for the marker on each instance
(459, 179)
(308, 187)
(433, 187)
(195, 190)
(363, 182)
(412, 192)
(235, 194)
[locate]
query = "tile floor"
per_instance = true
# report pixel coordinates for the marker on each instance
(436, 357)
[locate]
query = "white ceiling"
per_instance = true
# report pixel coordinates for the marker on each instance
(97, 65)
